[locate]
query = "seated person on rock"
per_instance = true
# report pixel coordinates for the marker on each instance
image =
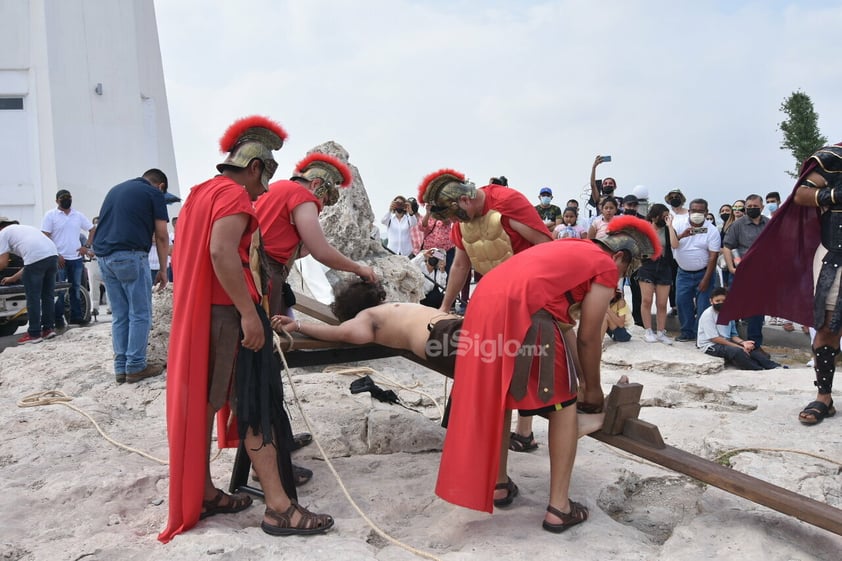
(616, 319)
(426, 332)
(724, 341)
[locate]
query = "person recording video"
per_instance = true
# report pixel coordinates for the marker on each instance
(431, 264)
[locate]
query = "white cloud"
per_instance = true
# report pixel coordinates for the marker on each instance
(680, 93)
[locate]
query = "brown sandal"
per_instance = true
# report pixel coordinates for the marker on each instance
(309, 523)
(236, 503)
(578, 514)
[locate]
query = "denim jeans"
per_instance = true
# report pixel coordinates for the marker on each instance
(72, 273)
(129, 287)
(39, 282)
(690, 301)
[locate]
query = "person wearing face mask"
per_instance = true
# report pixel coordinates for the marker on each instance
(740, 237)
(490, 224)
(725, 342)
(695, 244)
(399, 222)
(676, 199)
(62, 225)
(549, 213)
(288, 215)
(773, 201)
(605, 188)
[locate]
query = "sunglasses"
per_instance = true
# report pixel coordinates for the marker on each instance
(739, 208)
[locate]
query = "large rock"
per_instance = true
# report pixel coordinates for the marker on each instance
(349, 226)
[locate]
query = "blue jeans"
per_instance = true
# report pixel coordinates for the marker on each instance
(39, 282)
(129, 286)
(691, 301)
(72, 273)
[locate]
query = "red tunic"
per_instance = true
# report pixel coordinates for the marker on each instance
(188, 363)
(274, 213)
(513, 206)
(501, 310)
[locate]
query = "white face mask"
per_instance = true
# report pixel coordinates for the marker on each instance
(546, 200)
(697, 217)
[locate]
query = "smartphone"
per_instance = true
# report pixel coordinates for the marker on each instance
(699, 230)
(605, 158)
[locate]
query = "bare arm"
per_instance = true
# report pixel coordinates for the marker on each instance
(162, 244)
(459, 271)
(306, 219)
(357, 331)
(806, 196)
(224, 242)
(594, 190)
(589, 341)
(531, 235)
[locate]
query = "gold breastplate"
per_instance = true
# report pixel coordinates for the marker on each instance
(486, 241)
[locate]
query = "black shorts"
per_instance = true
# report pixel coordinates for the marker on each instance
(655, 272)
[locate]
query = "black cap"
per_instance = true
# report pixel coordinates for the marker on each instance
(631, 199)
(63, 193)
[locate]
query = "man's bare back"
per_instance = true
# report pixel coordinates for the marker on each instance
(397, 325)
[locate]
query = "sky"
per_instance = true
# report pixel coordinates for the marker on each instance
(682, 94)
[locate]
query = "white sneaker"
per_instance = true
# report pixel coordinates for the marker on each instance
(650, 336)
(664, 338)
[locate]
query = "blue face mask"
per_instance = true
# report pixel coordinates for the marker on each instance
(771, 207)
(546, 200)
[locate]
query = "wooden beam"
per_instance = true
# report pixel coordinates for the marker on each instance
(644, 439)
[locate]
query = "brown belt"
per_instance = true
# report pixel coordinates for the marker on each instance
(540, 341)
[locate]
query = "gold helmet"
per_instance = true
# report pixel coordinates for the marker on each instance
(441, 190)
(331, 171)
(634, 236)
(250, 138)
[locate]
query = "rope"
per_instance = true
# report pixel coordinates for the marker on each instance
(788, 450)
(58, 397)
(306, 419)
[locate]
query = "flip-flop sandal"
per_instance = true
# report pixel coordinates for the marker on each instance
(236, 503)
(518, 443)
(816, 411)
(511, 493)
(578, 514)
(309, 523)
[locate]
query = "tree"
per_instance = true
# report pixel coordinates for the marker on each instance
(800, 128)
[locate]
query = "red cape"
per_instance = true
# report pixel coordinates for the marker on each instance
(775, 277)
(513, 205)
(187, 362)
(503, 304)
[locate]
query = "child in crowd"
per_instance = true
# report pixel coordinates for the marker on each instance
(569, 227)
(616, 319)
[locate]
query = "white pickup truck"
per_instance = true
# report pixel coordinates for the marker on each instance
(13, 301)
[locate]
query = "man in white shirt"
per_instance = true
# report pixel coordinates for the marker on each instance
(724, 341)
(695, 246)
(431, 264)
(63, 225)
(40, 262)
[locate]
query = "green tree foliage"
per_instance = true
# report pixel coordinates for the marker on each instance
(800, 128)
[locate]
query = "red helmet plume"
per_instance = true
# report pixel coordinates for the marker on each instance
(642, 231)
(256, 128)
(428, 181)
(340, 174)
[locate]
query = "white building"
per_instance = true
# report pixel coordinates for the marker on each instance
(82, 102)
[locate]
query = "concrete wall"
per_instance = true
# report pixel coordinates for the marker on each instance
(95, 107)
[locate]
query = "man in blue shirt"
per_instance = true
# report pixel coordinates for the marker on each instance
(131, 214)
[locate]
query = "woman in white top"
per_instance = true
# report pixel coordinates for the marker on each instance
(399, 221)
